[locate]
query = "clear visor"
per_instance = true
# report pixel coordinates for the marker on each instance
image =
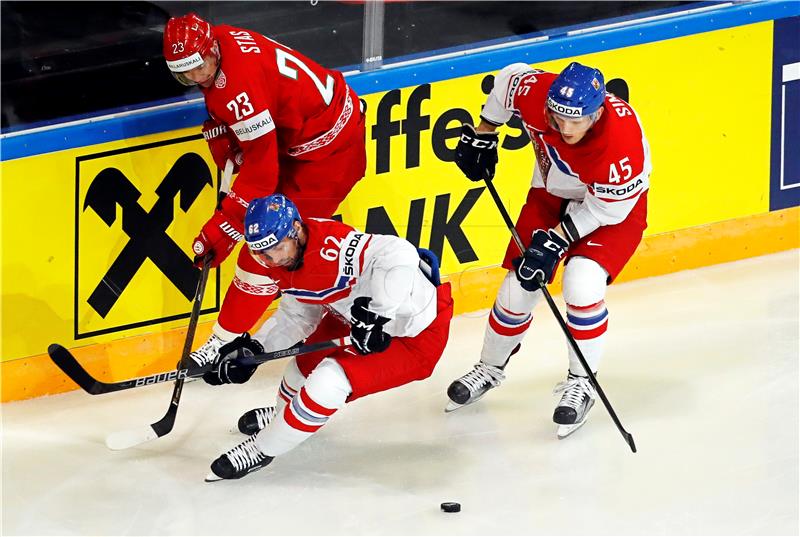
(197, 66)
(181, 77)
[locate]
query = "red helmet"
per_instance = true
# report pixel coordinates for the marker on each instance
(187, 41)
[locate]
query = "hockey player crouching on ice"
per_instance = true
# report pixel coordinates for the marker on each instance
(335, 281)
(588, 204)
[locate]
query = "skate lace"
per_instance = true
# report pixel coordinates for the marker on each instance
(264, 416)
(208, 352)
(482, 374)
(245, 454)
(574, 390)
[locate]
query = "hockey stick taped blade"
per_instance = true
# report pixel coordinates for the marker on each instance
(130, 438)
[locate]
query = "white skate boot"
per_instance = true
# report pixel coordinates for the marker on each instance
(573, 408)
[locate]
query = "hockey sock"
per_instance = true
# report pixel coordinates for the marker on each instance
(587, 316)
(291, 383)
(588, 325)
(325, 391)
(509, 319)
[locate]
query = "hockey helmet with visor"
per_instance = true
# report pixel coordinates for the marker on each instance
(267, 222)
(188, 41)
(577, 92)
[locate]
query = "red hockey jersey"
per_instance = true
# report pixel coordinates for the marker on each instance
(607, 171)
(278, 103)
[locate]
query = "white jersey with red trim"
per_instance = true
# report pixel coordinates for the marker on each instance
(341, 264)
(606, 172)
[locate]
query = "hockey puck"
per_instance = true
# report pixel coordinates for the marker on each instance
(451, 507)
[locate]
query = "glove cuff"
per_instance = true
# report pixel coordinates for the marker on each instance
(556, 237)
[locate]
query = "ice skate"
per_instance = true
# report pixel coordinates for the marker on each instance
(238, 462)
(254, 420)
(206, 354)
(474, 385)
(573, 408)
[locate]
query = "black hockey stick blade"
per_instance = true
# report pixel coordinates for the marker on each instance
(75, 371)
(70, 366)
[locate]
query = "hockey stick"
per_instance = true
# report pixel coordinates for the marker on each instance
(625, 434)
(133, 437)
(227, 173)
(75, 371)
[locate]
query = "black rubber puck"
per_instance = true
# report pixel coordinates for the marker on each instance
(451, 507)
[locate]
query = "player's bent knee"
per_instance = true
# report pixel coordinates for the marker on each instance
(513, 298)
(584, 282)
(328, 384)
(293, 376)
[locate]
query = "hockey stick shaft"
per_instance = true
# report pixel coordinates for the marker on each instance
(564, 328)
(225, 182)
(165, 424)
(227, 174)
(69, 365)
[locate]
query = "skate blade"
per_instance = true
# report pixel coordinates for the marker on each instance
(212, 477)
(566, 430)
(451, 406)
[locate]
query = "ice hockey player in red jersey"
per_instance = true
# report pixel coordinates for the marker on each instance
(587, 205)
(289, 125)
(335, 282)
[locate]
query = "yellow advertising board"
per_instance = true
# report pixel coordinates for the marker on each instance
(96, 240)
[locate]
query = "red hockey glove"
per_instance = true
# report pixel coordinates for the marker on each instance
(218, 237)
(223, 144)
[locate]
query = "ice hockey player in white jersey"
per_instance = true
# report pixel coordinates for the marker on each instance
(587, 205)
(335, 282)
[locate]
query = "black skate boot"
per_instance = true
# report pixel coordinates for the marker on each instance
(573, 408)
(254, 420)
(238, 462)
(474, 385)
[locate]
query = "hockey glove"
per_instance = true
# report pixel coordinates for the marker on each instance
(476, 153)
(219, 235)
(366, 328)
(223, 145)
(538, 264)
(229, 367)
